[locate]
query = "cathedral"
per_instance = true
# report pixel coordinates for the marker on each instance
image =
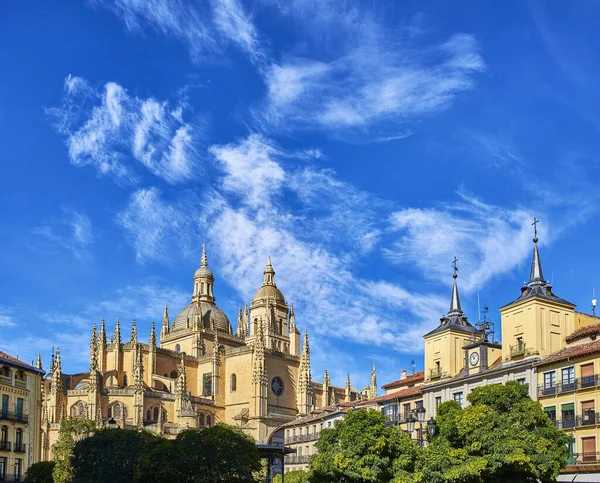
(197, 371)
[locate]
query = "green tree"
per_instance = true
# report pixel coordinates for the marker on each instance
(502, 436)
(220, 454)
(360, 448)
(111, 455)
(40, 472)
(297, 476)
(71, 431)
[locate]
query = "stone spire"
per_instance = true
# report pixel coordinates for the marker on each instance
(293, 327)
(152, 335)
(93, 351)
(455, 308)
(348, 391)
(165, 323)
(373, 387)
(259, 375)
(102, 338)
(304, 386)
(240, 324)
(133, 332)
(535, 274)
(57, 382)
(117, 336)
(138, 388)
(38, 364)
(326, 387)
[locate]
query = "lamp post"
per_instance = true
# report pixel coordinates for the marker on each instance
(431, 427)
(112, 424)
(421, 418)
(410, 424)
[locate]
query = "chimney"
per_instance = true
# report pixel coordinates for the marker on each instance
(403, 374)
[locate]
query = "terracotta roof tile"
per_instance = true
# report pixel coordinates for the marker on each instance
(568, 352)
(584, 332)
(409, 391)
(14, 360)
(418, 377)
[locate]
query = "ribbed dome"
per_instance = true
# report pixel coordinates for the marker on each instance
(203, 272)
(210, 312)
(269, 292)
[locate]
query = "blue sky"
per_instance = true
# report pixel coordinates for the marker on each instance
(361, 144)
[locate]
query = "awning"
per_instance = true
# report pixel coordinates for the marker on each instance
(568, 407)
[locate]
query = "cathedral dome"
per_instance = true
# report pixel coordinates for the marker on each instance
(269, 292)
(210, 312)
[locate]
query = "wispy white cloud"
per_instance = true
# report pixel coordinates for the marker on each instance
(71, 231)
(108, 128)
(488, 240)
(204, 27)
(373, 83)
(251, 171)
(154, 225)
(7, 321)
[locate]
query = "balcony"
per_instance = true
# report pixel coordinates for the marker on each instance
(435, 373)
(8, 381)
(547, 390)
(518, 349)
(20, 448)
(584, 459)
(15, 416)
(297, 460)
(301, 438)
(5, 445)
(587, 419)
(572, 385)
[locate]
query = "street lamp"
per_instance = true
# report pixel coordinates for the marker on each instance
(410, 423)
(431, 427)
(421, 418)
(112, 423)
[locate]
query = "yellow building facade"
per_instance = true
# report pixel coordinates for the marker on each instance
(569, 390)
(195, 370)
(20, 416)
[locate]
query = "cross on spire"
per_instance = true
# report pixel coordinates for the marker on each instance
(534, 224)
(455, 267)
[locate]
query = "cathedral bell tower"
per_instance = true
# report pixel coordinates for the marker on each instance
(269, 314)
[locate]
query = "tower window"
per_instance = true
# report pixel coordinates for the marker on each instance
(233, 383)
(177, 348)
(202, 288)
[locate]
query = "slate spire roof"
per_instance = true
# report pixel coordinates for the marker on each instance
(455, 318)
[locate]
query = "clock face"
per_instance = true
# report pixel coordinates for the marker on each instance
(474, 358)
(277, 386)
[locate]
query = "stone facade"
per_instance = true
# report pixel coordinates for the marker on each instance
(200, 370)
(20, 416)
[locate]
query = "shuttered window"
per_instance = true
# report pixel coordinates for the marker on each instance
(587, 370)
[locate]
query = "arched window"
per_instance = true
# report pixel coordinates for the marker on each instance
(201, 419)
(109, 413)
(117, 409)
(4, 433)
(78, 410)
(148, 415)
(173, 374)
(125, 380)
(177, 347)
(208, 421)
(5, 371)
(233, 382)
(155, 414)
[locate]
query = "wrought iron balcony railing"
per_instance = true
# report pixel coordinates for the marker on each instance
(5, 445)
(518, 349)
(20, 448)
(583, 458)
(16, 416)
(435, 373)
(568, 386)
